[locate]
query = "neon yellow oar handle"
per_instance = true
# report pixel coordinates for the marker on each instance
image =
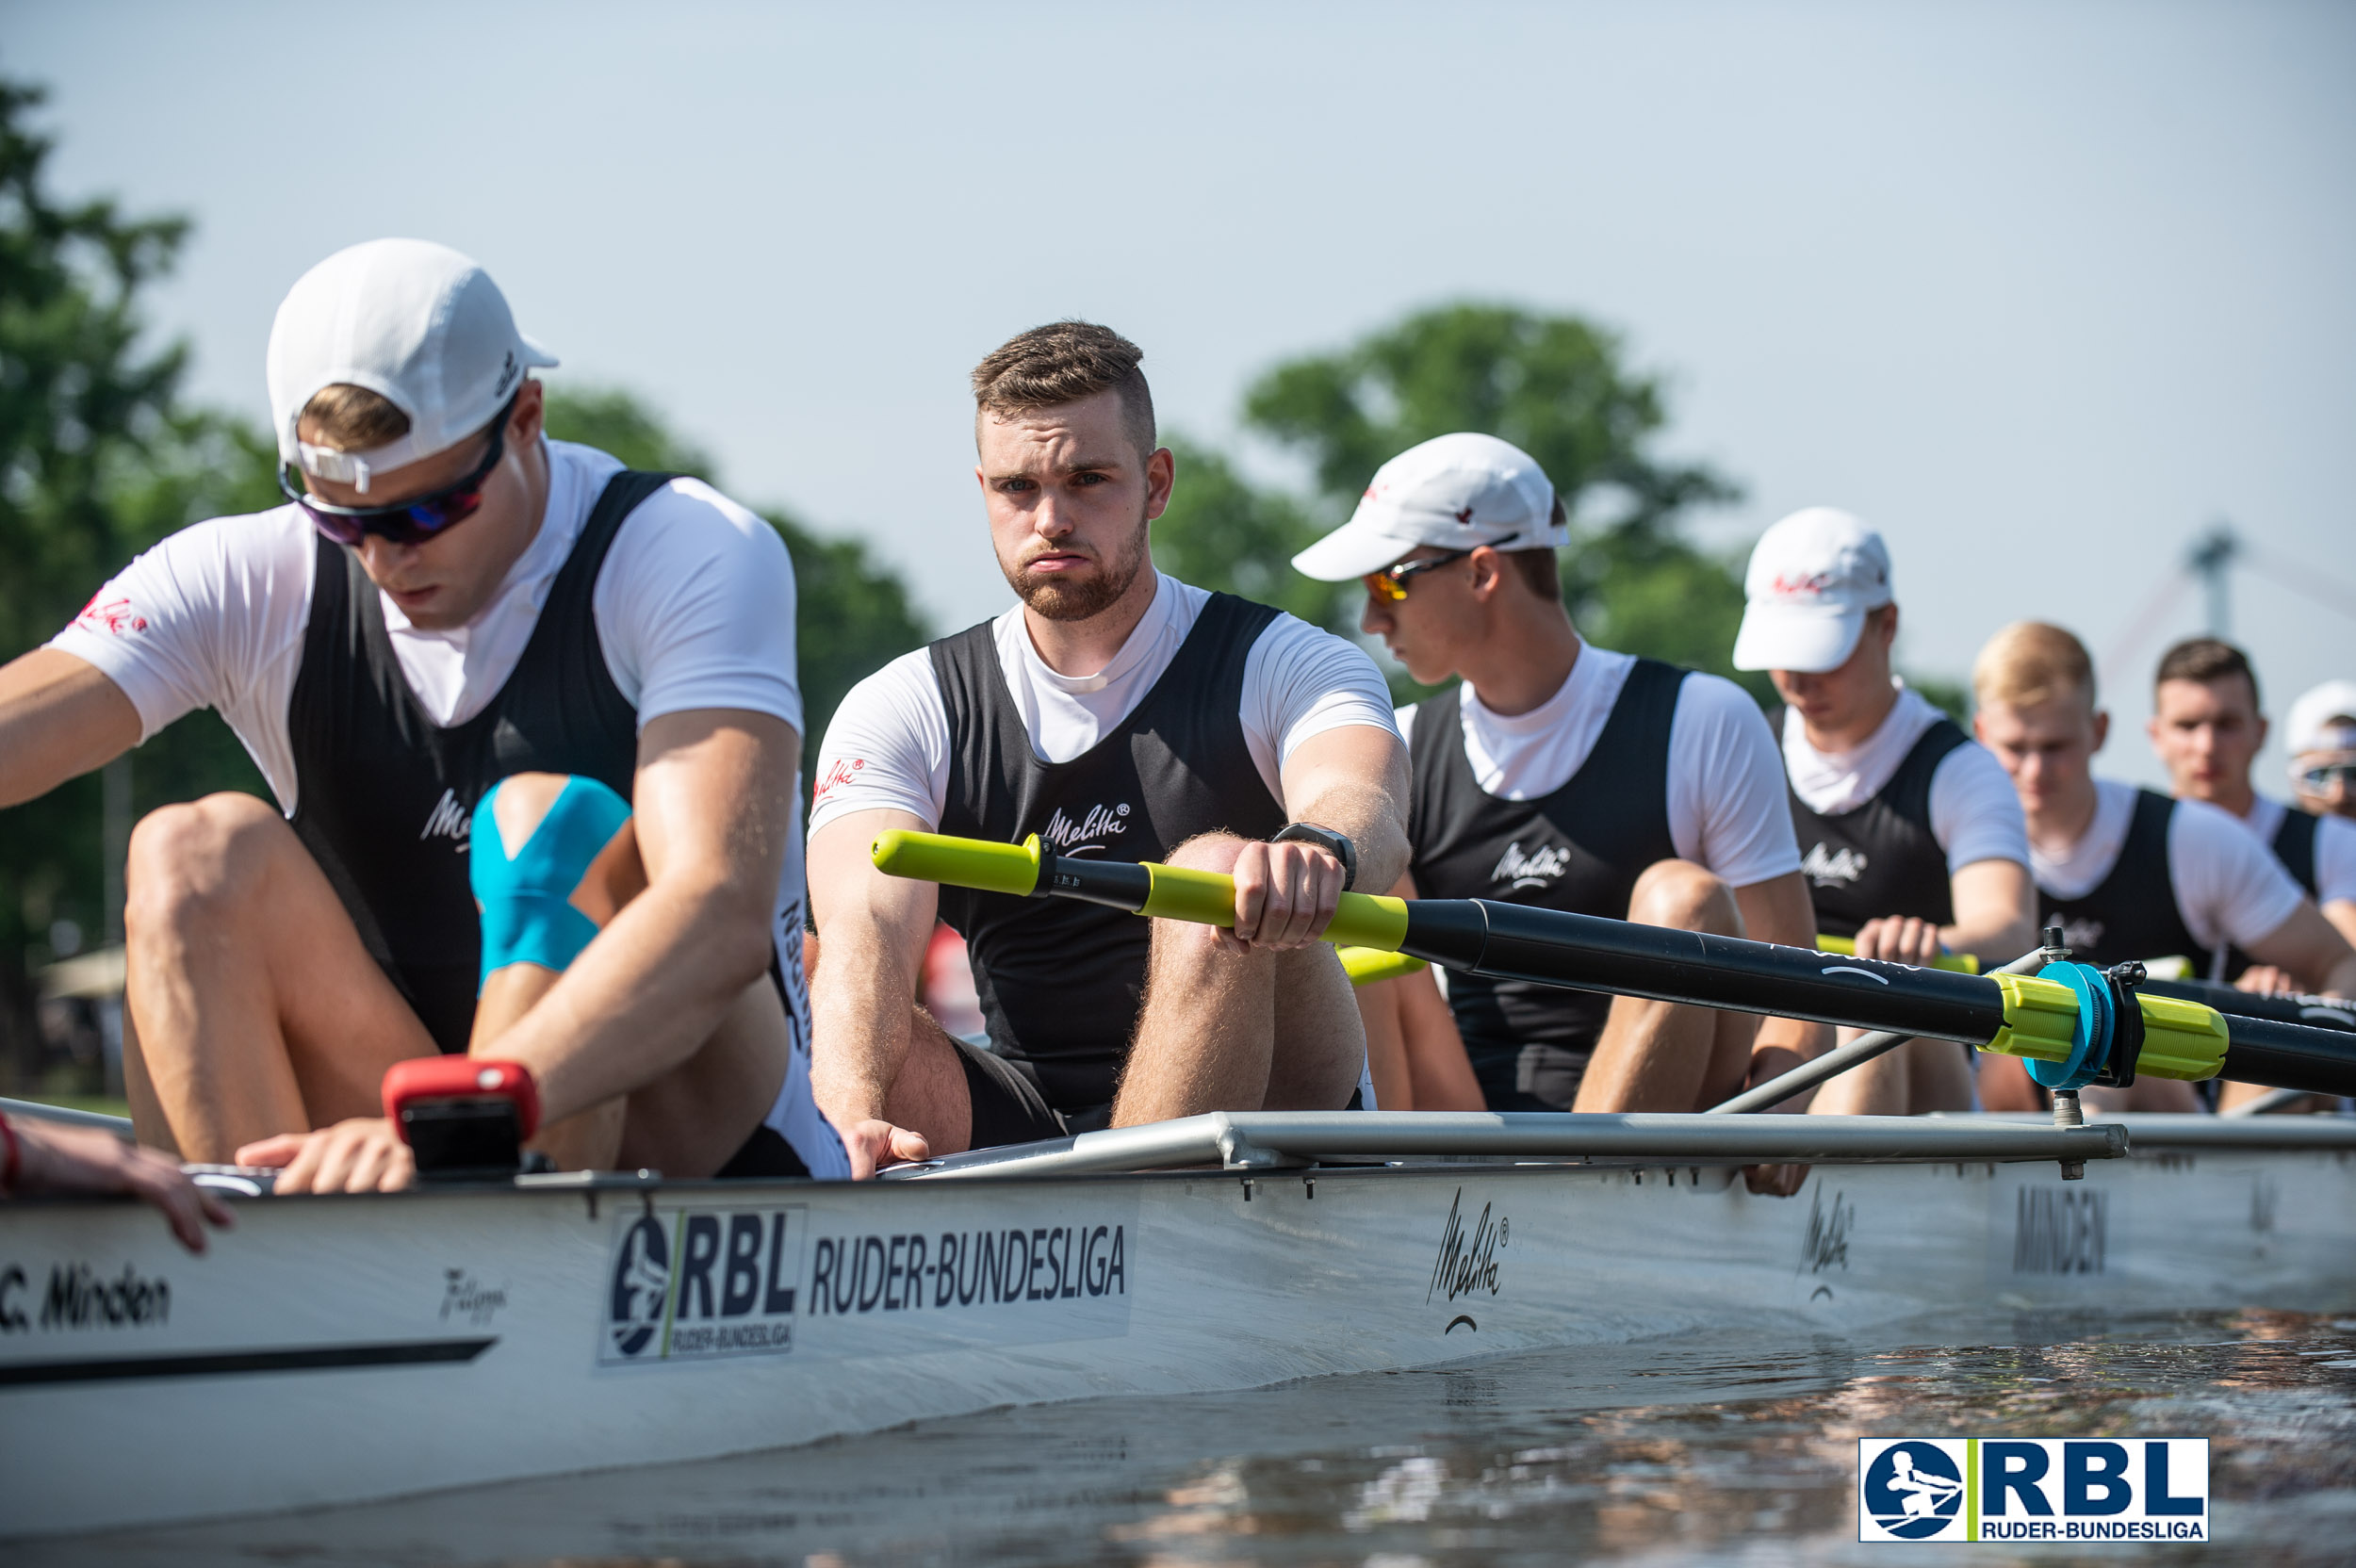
(1165, 892)
(1962, 963)
(1367, 966)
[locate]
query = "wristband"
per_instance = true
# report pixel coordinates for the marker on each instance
(12, 1163)
(528, 915)
(1327, 840)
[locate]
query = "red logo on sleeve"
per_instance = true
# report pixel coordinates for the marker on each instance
(115, 616)
(839, 774)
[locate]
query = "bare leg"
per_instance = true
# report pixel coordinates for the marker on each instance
(689, 1121)
(256, 1010)
(1661, 1055)
(1917, 1078)
(1213, 1034)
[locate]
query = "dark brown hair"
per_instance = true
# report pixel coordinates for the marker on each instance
(1540, 571)
(1062, 363)
(354, 419)
(2207, 658)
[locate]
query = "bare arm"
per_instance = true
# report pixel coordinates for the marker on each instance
(60, 718)
(1995, 920)
(2341, 912)
(2311, 950)
(1779, 910)
(1354, 780)
(872, 931)
(713, 809)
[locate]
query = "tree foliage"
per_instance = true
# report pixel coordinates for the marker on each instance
(98, 460)
(854, 615)
(1223, 532)
(1560, 388)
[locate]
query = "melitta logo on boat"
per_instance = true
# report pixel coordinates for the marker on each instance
(1467, 1263)
(1099, 822)
(699, 1284)
(1535, 869)
(1825, 867)
(2032, 1489)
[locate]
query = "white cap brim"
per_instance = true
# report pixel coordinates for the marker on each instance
(1351, 551)
(1806, 639)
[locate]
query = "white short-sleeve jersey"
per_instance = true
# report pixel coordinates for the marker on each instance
(888, 744)
(2228, 885)
(1975, 814)
(1727, 808)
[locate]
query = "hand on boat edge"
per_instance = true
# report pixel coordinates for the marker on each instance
(363, 1154)
(84, 1159)
(873, 1144)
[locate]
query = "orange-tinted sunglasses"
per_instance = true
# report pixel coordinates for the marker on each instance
(1391, 582)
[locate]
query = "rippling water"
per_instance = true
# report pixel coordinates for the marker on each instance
(1698, 1449)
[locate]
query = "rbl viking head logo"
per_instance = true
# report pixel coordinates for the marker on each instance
(641, 1284)
(1913, 1490)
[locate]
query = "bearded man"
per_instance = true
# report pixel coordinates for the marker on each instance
(1120, 714)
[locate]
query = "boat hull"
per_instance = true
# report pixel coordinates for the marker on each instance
(337, 1350)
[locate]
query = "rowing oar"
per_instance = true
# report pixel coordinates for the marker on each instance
(2074, 1025)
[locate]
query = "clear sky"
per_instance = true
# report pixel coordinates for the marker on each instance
(2041, 290)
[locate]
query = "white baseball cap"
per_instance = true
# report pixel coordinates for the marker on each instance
(2323, 719)
(1454, 491)
(414, 322)
(1813, 580)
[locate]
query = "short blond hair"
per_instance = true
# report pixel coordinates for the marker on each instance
(2030, 663)
(354, 419)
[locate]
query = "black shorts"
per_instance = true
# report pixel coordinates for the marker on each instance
(1009, 1106)
(765, 1153)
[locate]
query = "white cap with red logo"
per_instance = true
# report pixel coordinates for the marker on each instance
(2323, 719)
(1453, 491)
(414, 322)
(1813, 577)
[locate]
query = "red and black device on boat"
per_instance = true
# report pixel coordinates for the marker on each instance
(465, 1120)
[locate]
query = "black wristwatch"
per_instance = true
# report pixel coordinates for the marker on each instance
(1325, 839)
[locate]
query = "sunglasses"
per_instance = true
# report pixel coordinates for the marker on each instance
(410, 522)
(1391, 582)
(2321, 778)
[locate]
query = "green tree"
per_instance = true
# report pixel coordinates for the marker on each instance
(855, 615)
(1223, 532)
(97, 461)
(1560, 388)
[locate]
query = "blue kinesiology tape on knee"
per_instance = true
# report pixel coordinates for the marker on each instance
(528, 916)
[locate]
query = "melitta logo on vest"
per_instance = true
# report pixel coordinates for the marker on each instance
(448, 820)
(1066, 837)
(1530, 869)
(1823, 866)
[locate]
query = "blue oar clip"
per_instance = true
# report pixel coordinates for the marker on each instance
(2090, 1041)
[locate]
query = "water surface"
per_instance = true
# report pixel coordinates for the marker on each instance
(1717, 1449)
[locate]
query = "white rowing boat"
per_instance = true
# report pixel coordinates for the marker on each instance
(390, 1344)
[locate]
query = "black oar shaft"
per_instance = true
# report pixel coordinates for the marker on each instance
(1513, 941)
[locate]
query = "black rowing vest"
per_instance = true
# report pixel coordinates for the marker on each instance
(1881, 857)
(1581, 848)
(2293, 844)
(385, 797)
(2132, 913)
(1060, 982)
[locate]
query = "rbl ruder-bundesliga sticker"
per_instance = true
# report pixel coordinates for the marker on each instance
(2033, 1488)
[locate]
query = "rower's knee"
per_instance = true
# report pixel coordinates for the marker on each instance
(1682, 895)
(200, 862)
(551, 857)
(1207, 852)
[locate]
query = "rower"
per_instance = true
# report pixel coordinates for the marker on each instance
(1567, 777)
(2321, 738)
(448, 599)
(2207, 726)
(2128, 873)
(1118, 714)
(1910, 837)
